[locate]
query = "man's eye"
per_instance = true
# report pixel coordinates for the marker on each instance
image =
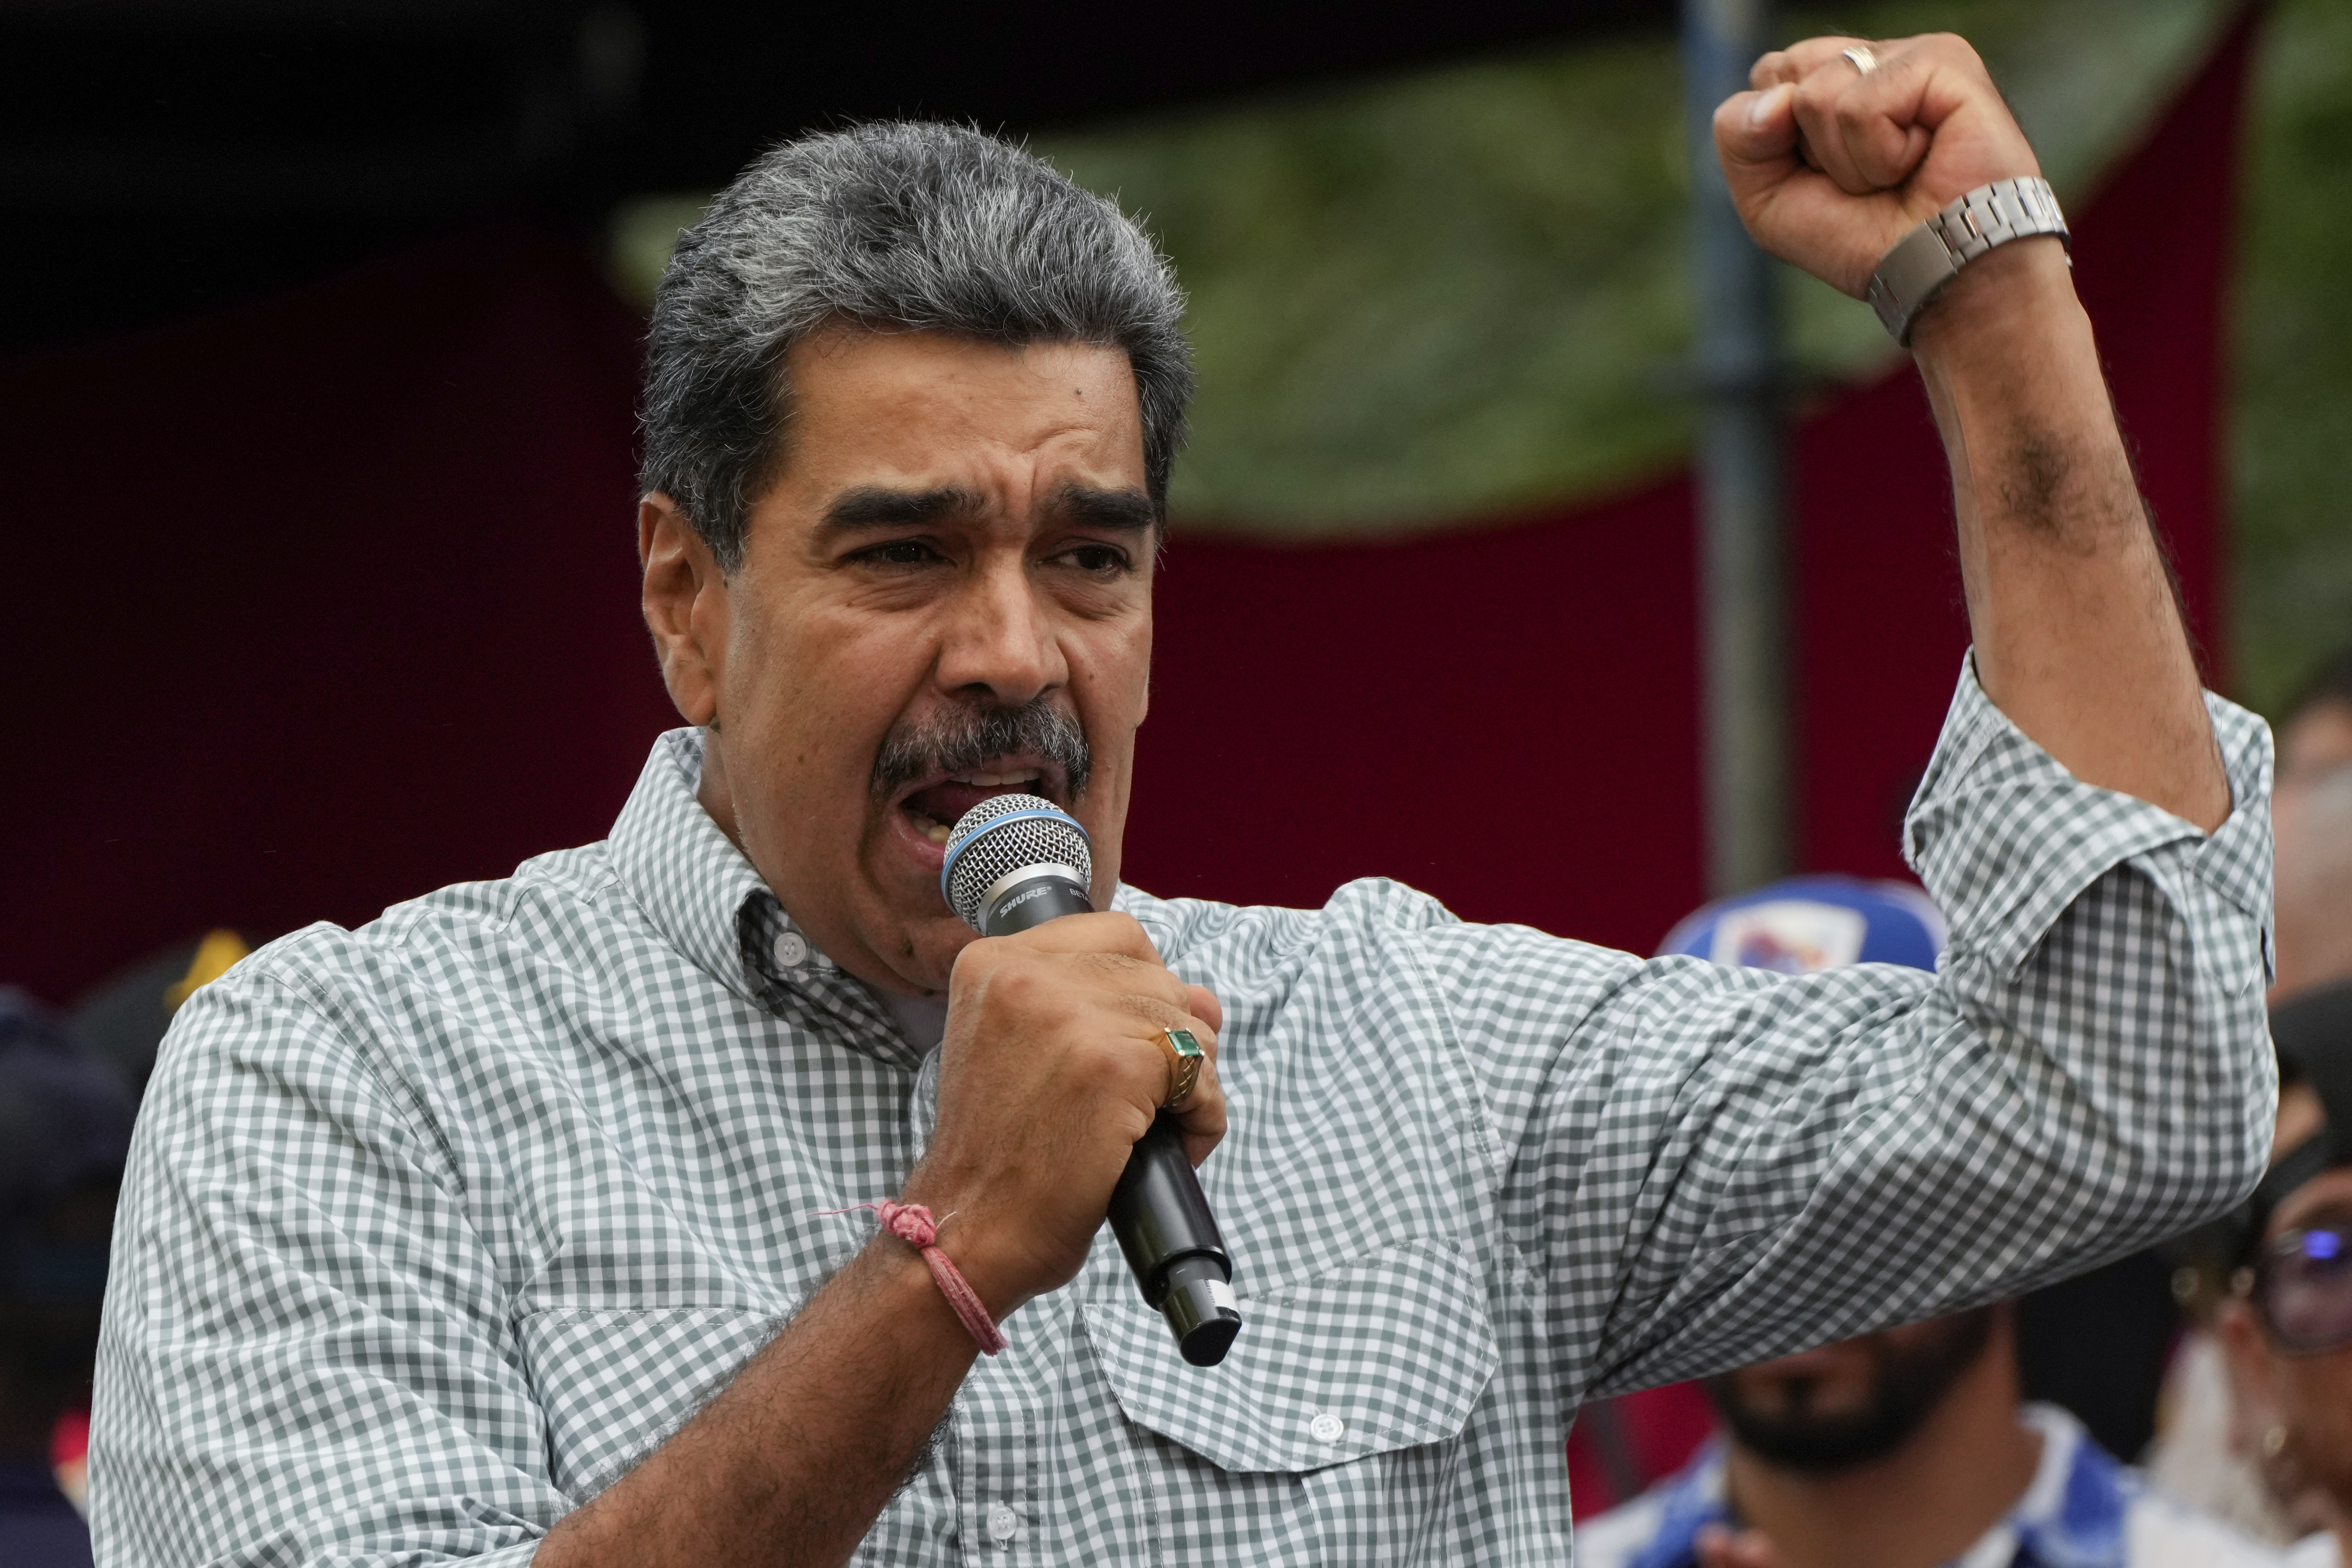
(901, 552)
(1098, 560)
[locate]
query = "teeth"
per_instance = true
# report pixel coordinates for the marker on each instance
(938, 831)
(990, 781)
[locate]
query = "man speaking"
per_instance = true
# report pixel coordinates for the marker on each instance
(526, 1223)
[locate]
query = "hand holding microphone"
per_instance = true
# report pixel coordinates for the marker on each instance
(1064, 1039)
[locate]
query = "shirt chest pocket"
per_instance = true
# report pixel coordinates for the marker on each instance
(1392, 1353)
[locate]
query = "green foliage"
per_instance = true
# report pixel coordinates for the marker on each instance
(1440, 296)
(2291, 426)
(1421, 298)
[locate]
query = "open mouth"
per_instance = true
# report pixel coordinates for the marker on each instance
(935, 805)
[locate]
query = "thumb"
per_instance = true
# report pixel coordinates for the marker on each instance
(1756, 135)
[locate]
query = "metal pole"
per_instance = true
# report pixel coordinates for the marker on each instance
(1743, 546)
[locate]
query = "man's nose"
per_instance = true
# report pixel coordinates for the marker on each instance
(1001, 637)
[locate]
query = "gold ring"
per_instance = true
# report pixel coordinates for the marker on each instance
(1184, 1071)
(1861, 57)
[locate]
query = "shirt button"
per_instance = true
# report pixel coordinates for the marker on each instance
(792, 950)
(1003, 1524)
(1326, 1428)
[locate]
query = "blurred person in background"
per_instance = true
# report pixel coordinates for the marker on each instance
(123, 1019)
(1910, 1447)
(2195, 1458)
(2315, 735)
(65, 1123)
(116, 1027)
(2285, 1322)
(2311, 807)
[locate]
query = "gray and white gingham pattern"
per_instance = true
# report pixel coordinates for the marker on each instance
(434, 1227)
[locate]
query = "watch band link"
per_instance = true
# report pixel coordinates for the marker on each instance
(1919, 264)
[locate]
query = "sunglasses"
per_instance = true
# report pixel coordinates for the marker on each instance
(2302, 1286)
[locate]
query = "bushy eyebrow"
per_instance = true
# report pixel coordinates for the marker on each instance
(1129, 510)
(879, 506)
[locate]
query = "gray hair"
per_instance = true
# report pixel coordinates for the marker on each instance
(892, 227)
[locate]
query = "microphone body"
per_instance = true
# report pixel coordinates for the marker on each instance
(1157, 1210)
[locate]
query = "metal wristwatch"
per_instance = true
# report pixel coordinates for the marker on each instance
(1913, 272)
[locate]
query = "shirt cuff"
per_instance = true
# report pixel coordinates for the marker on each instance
(2005, 838)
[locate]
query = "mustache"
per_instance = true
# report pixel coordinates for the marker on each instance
(957, 740)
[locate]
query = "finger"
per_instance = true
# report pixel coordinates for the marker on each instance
(1880, 129)
(1202, 1114)
(1781, 201)
(1771, 69)
(1204, 1005)
(1107, 932)
(1026, 980)
(1141, 1024)
(1157, 1011)
(1145, 1073)
(1802, 58)
(1756, 137)
(1832, 102)
(1117, 974)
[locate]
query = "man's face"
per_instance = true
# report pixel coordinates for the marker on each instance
(2311, 817)
(2305, 1399)
(1858, 1400)
(2314, 742)
(2314, 1393)
(946, 588)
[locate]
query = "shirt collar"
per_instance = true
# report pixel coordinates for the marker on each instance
(688, 876)
(709, 900)
(1693, 1500)
(2071, 1515)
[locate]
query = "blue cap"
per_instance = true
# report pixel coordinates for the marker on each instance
(1800, 925)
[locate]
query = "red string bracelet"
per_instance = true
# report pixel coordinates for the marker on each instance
(913, 1223)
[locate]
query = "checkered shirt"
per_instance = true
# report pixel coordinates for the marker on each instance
(434, 1228)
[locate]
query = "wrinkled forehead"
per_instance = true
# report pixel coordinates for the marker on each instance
(927, 411)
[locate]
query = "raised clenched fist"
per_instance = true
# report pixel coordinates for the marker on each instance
(1831, 165)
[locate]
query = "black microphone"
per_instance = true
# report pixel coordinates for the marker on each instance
(1017, 861)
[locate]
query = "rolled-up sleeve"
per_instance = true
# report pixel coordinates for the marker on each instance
(1717, 1164)
(304, 1358)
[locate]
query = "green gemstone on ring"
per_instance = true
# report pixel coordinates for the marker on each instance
(1186, 1046)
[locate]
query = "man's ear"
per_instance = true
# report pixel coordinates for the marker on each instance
(685, 606)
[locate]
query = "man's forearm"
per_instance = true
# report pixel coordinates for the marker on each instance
(2077, 630)
(794, 1461)
(1839, 149)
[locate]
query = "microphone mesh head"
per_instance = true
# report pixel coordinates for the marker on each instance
(1002, 833)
